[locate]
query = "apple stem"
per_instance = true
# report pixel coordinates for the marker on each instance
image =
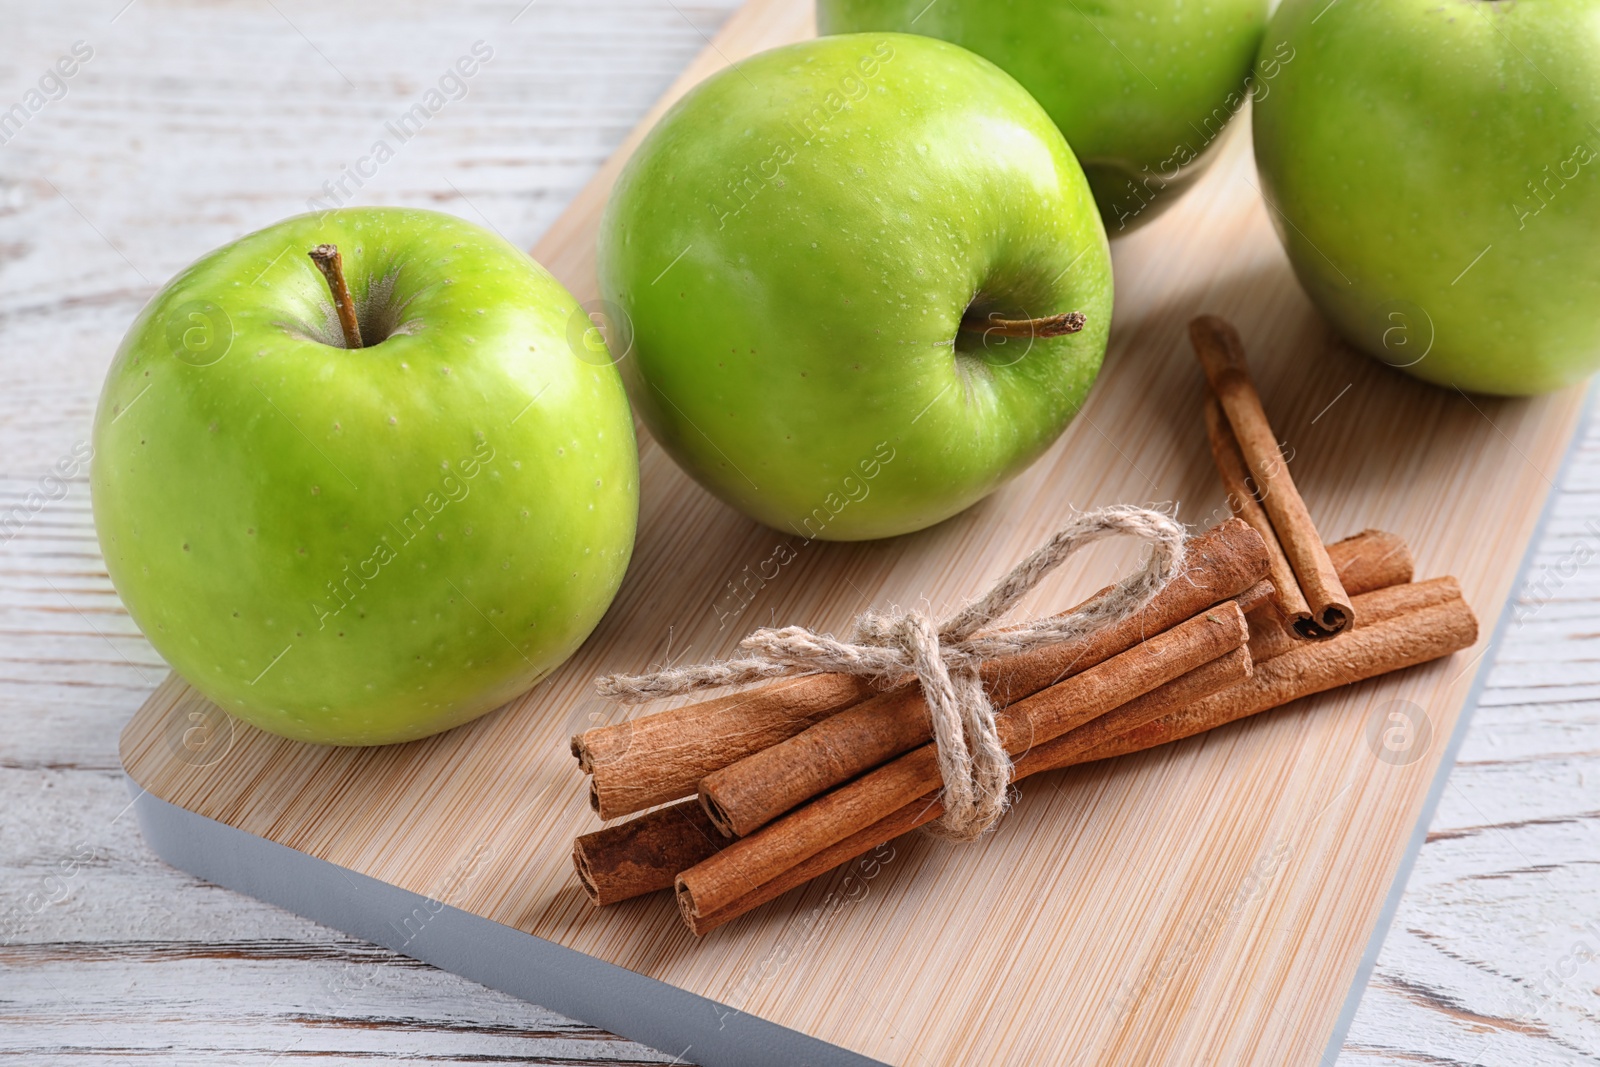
(331, 264)
(1049, 326)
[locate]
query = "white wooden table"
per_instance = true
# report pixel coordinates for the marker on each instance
(193, 122)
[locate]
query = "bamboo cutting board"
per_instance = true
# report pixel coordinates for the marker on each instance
(1208, 902)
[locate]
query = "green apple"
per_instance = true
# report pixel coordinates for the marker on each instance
(1434, 172)
(360, 546)
(1140, 88)
(815, 248)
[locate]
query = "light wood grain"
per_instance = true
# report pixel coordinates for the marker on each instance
(1207, 903)
(136, 960)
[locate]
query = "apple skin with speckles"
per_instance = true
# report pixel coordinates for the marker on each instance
(1433, 171)
(796, 244)
(1141, 89)
(364, 546)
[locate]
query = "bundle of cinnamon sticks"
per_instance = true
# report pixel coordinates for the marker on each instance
(791, 779)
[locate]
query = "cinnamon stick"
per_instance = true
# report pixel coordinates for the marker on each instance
(1269, 639)
(1365, 652)
(1230, 464)
(1223, 562)
(1381, 605)
(652, 759)
(1198, 683)
(644, 854)
(748, 862)
(1221, 354)
(1370, 560)
(1206, 679)
(1391, 644)
(1257, 596)
(919, 812)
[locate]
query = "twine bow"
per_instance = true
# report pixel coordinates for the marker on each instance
(889, 648)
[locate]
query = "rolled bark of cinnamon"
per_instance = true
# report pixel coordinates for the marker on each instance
(1203, 681)
(1257, 596)
(1387, 645)
(1178, 693)
(748, 862)
(644, 854)
(918, 813)
(619, 869)
(1372, 559)
(748, 794)
(1224, 562)
(656, 758)
(1269, 638)
(1230, 464)
(1404, 640)
(1382, 605)
(1221, 354)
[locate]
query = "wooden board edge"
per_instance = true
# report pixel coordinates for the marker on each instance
(523, 965)
(1578, 415)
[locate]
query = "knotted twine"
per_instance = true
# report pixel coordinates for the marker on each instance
(889, 648)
